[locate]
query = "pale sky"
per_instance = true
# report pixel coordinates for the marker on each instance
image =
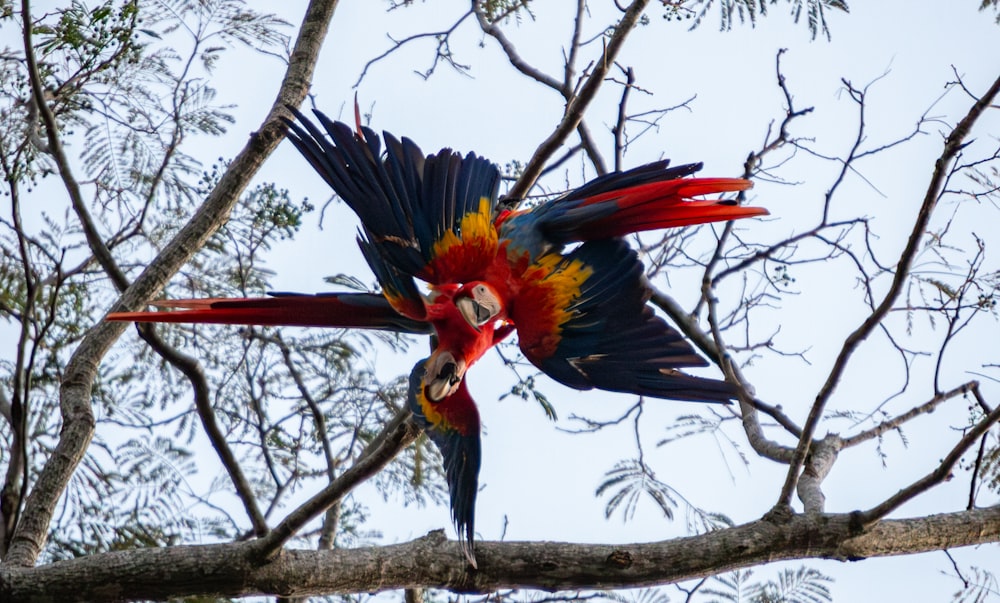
(538, 483)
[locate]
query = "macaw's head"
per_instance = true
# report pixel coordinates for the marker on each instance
(443, 373)
(480, 303)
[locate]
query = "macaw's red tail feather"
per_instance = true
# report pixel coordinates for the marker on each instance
(343, 310)
(651, 206)
(688, 214)
(669, 192)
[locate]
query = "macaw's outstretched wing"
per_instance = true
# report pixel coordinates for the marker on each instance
(583, 320)
(649, 197)
(453, 425)
(430, 216)
(345, 310)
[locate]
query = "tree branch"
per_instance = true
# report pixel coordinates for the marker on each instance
(228, 570)
(940, 474)
(895, 422)
(576, 106)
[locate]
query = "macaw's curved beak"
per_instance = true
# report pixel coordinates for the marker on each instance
(443, 373)
(478, 304)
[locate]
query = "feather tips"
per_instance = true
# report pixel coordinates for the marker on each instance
(408, 203)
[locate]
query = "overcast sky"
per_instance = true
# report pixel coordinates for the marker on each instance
(538, 483)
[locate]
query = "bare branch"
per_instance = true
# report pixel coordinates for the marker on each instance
(442, 50)
(619, 129)
(578, 105)
(925, 408)
(491, 29)
(939, 474)
(192, 370)
(397, 434)
(751, 423)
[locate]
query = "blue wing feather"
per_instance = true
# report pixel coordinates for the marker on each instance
(406, 201)
(613, 341)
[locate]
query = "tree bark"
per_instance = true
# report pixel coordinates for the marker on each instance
(434, 562)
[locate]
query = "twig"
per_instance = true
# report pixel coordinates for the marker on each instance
(977, 467)
(441, 36)
(619, 129)
(939, 475)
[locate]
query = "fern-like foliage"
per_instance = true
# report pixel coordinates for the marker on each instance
(980, 586)
(627, 482)
(814, 12)
(802, 585)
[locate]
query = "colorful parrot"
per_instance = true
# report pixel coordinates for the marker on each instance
(581, 316)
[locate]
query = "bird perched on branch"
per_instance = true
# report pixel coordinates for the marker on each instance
(580, 315)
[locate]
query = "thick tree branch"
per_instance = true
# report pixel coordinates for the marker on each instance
(228, 570)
